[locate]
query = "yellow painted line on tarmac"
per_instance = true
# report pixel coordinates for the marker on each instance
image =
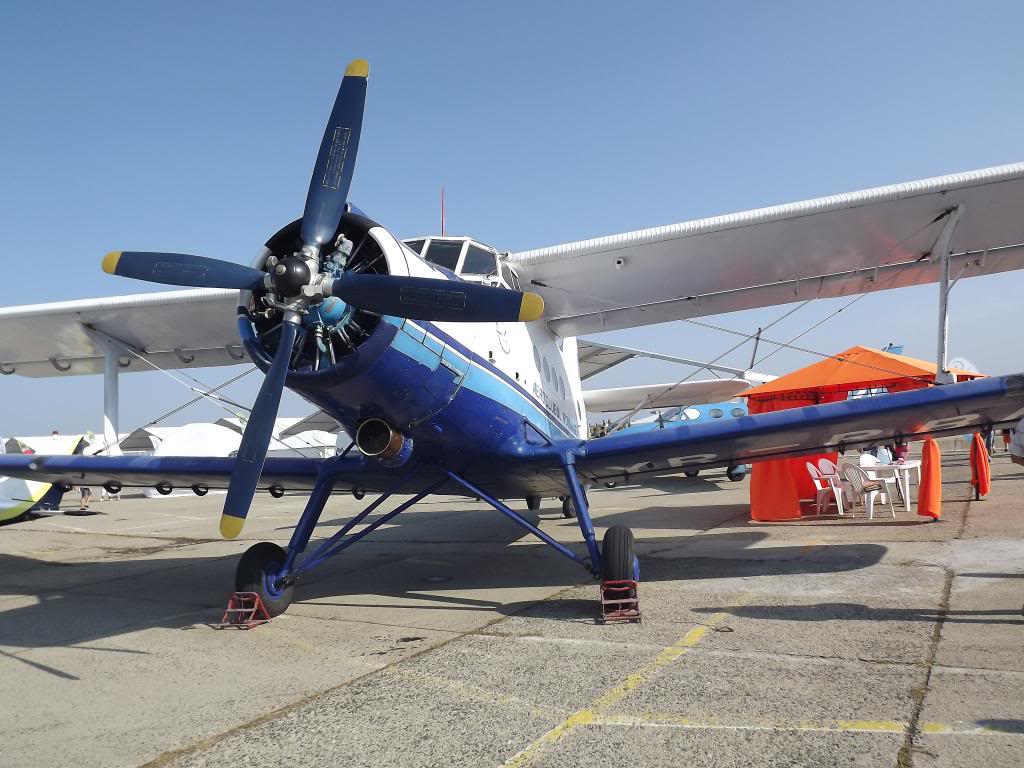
(663, 720)
(599, 706)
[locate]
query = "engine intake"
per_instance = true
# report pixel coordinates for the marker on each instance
(377, 439)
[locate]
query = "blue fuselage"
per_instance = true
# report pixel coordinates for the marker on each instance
(457, 407)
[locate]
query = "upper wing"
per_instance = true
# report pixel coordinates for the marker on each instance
(595, 357)
(184, 471)
(318, 420)
(833, 246)
(914, 415)
(171, 329)
(663, 395)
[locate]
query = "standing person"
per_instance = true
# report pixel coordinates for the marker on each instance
(83, 506)
(989, 436)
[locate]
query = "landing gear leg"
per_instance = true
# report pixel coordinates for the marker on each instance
(265, 567)
(579, 501)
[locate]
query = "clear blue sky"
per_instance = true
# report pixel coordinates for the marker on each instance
(193, 126)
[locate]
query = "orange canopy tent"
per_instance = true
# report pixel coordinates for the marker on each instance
(776, 487)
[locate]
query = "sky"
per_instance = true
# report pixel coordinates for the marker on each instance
(193, 126)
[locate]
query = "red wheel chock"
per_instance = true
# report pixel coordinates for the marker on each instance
(245, 610)
(619, 601)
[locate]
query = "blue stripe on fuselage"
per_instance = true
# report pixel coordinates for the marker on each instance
(485, 365)
(482, 377)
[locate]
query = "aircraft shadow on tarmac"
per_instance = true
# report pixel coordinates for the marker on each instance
(68, 604)
(858, 612)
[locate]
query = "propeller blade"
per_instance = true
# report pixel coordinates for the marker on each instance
(181, 269)
(425, 298)
(332, 173)
(252, 451)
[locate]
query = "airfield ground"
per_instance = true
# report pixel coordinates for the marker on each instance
(450, 639)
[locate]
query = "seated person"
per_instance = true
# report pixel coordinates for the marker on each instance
(880, 453)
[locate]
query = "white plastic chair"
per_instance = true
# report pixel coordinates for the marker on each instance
(866, 488)
(867, 461)
(831, 472)
(825, 492)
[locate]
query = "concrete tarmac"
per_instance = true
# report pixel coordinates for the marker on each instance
(449, 638)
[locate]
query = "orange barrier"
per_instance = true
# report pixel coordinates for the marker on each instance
(929, 494)
(981, 472)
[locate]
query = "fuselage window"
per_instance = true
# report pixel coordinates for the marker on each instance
(479, 262)
(536, 358)
(416, 245)
(444, 253)
(547, 370)
(717, 413)
(738, 412)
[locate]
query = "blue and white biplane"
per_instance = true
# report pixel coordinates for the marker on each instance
(457, 369)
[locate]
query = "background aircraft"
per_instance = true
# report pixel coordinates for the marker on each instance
(453, 379)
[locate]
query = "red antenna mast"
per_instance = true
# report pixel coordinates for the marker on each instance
(442, 210)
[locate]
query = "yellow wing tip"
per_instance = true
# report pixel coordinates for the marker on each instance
(231, 526)
(358, 68)
(531, 308)
(110, 262)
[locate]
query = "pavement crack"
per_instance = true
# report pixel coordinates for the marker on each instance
(905, 757)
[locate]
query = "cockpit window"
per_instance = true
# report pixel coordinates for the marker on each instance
(510, 277)
(444, 253)
(478, 262)
(416, 245)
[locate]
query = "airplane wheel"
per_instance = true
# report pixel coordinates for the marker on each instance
(618, 555)
(610, 484)
(568, 509)
(533, 503)
(256, 571)
(691, 472)
(736, 473)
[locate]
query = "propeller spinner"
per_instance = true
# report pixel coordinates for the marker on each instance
(296, 283)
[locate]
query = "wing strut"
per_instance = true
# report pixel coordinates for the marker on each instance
(941, 252)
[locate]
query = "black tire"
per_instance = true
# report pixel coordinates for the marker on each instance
(260, 563)
(736, 473)
(618, 554)
(691, 472)
(568, 508)
(533, 503)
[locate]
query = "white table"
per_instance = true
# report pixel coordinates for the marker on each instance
(902, 474)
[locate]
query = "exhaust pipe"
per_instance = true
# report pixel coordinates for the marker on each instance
(376, 439)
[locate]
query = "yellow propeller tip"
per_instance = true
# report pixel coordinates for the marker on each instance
(531, 308)
(231, 526)
(110, 262)
(358, 68)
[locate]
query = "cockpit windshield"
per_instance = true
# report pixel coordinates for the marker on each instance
(479, 262)
(467, 258)
(444, 253)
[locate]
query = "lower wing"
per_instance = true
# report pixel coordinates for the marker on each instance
(186, 471)
(905, 416)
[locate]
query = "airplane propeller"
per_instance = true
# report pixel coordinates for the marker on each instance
(297, 282)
